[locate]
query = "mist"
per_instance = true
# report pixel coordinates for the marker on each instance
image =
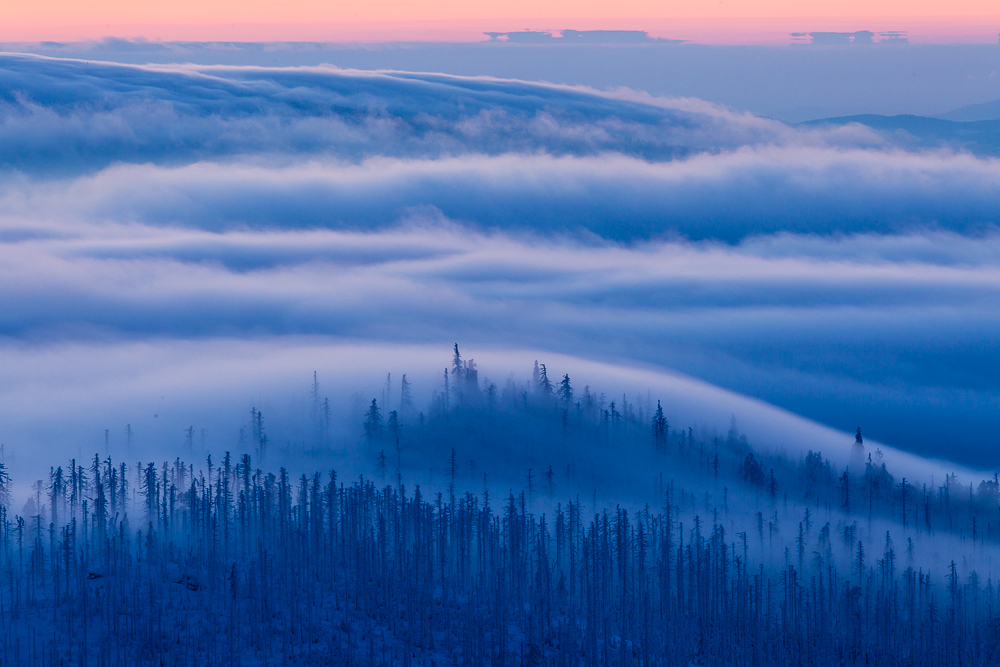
(831, 271)
(635, 331)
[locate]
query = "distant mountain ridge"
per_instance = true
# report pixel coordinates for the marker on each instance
(980, 137)
(974, 112)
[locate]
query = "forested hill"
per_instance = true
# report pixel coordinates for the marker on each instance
(619, 539)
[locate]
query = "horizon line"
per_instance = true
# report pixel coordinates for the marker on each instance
(748, 32)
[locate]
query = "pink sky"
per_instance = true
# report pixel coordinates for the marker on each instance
(714, 21)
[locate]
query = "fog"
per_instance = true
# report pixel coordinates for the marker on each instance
(827, 271)
(72, 400)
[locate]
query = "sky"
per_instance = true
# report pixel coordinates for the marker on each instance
(154, 220)
(707, 21)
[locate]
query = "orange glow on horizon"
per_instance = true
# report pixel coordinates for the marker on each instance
(722, 21)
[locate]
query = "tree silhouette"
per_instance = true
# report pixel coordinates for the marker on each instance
(373, 424)
(238, 564)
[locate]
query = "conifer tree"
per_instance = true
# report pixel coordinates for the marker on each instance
(565, 390)
(544, 384)
(405, 397)
(373, 423)
(381, 465)
(4, 486)
(659, 429)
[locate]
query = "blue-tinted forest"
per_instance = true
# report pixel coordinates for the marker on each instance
(623, 537)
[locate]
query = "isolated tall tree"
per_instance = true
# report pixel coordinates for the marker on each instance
(373, 423)
(659, 428)
(259, 436)
(4, 486)
(405, 397)
(314, 394)
(57, 492)
(447, 391)
(544, 384)
(325, 425)
(565, 390)
(457, 368)
(615, 421)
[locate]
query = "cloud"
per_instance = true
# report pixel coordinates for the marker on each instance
(59, 115)
(824, 270)
(905, 345)
(727, 196)
(221, 148)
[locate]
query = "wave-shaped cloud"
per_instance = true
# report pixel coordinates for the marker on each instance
(319, 147)
(70, 115)
(824, 269)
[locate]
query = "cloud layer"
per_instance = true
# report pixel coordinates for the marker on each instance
(896, 333)
(727, 196)
(221, 148)
(71, 115)
(828, 271)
